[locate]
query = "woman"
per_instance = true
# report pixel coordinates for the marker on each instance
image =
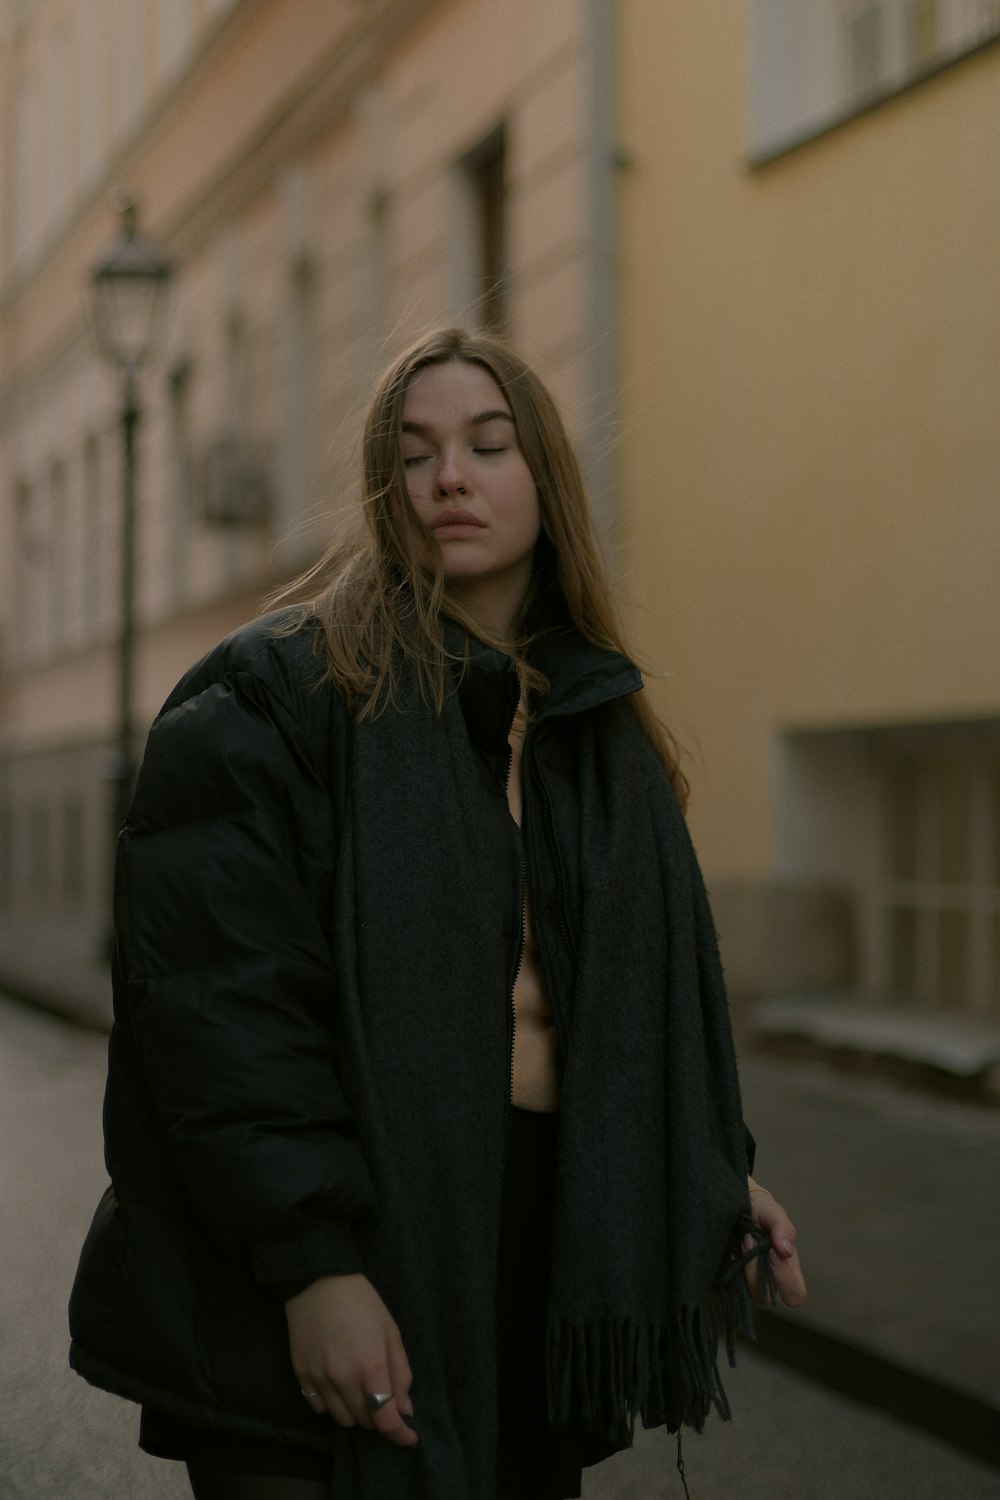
(428, 1167)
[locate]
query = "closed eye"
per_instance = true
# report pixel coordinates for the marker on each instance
(414, 458)
(502, 448)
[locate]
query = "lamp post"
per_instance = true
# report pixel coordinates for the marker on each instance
(129, 288)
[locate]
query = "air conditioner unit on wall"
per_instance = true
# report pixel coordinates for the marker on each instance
(232, 487)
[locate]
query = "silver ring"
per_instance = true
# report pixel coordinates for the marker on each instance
(310, 1395)
(375, 1400)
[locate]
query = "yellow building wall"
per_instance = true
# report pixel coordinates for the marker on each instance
(810, 412)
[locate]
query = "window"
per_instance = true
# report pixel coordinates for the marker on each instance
(6, 854)
(485, 171)
(907, 821)
(39, 853)
(28, 580)
(92, 548)
(376, 156)
(73, 853)
(298, 451)
(987, 16)
(174, 35)
(179, 521)
(814, 63)
(237, 372)
(377, 264)
(941, 892)
(58, 552)
(29, 169)
(129, 38)
(93, 70)
(865, 53)
(922, 32)
(61, 125)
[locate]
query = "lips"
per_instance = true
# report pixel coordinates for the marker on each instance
(446, 519)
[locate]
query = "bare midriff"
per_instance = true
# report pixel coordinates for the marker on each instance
(536, 1068)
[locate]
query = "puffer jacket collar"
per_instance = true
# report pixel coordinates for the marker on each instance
(582, 676)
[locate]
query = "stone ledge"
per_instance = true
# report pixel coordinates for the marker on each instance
(961, 1047)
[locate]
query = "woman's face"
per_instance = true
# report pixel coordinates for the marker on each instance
(470, 486)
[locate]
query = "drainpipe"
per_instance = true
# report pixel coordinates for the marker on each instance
(602, 331)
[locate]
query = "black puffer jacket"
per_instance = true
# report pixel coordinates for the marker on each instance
(236, 1109)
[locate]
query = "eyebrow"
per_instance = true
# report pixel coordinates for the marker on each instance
(479, 420)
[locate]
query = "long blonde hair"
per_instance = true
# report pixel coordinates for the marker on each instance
(379, 607)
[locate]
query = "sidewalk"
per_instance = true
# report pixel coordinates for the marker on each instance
(59, 969)
(895, 1192)
(896, 1197)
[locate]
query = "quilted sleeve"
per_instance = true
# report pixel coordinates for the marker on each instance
(223, 889)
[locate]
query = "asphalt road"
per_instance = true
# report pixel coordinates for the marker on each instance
(62, 1440)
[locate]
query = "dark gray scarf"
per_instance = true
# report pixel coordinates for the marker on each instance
(652, 1190)
(651, 1193)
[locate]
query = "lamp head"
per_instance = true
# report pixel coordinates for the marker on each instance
(129, 287)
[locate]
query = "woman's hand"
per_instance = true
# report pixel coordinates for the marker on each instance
(345, 1347)
(782, 1257)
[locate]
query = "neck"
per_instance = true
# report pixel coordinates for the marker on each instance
(492, 609)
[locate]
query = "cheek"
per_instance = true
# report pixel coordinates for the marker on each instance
(417, 494)
(524, 505)
(533, 516)
(410, 522)
(413, 487)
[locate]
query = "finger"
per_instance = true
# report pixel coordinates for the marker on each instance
(312, 1396)
(388, 1420)
(400, 1374)
(353, 1392)
(768, 1212)
(783, 1258)
(788, 1278)
(783, 1239)
(750, 1269)
(772, 1218)
(339, 1411)
(320, 1400)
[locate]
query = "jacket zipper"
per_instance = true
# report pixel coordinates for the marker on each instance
(548, 819)
(511, 1010)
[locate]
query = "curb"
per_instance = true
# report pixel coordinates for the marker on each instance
(934, 1406)
(982, 1089)
(90, 1012)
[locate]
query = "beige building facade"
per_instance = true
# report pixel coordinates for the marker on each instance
(810, 473)
(330, 178)
(753, 249)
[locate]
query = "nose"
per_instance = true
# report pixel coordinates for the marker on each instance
(451, 476)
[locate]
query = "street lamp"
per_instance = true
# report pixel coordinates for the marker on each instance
(129, 288)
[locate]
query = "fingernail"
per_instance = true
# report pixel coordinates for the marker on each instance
(786, 1246)
(748, 1242)
(406, 1406)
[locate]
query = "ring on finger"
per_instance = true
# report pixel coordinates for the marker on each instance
(375, 1400)
(309, 1395)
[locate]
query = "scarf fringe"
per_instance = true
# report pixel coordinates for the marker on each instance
(603, 1373)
